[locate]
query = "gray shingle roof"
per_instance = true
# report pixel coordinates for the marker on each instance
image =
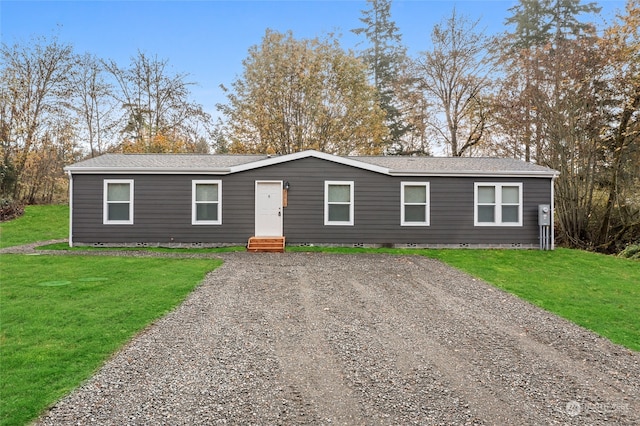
(450, 164)
(225, 164)
(166, 161)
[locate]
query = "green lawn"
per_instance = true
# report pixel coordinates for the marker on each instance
(65, 247)
(39, 223)
(63, 316)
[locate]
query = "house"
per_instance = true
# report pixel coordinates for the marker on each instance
(309, 197)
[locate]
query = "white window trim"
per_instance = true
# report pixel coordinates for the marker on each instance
(194, 220)
(427, 205)
(106, 202)
(498, 204)
(327, 183)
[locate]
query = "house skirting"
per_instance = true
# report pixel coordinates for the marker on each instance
(424, 246)
(353, 245)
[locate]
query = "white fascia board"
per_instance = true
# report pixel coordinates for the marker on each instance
(145, 171)
(471, 173)
(70, 209)
(309, 154)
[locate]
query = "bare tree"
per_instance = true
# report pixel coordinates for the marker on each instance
(93, 102)
(621, 218)
(569, 99)
(33, 85)
(156, 102)
(454, 76)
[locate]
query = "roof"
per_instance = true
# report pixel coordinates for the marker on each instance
(228, 164)
(186, 162)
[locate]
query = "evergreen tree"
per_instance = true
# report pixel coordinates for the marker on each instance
(538, 22)
(385, 58)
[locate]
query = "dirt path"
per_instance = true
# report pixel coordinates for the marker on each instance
(301, 338)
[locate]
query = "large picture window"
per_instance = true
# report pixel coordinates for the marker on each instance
(118, 202)
(414, 201)
(498, 204)
(207, 202)
(338, 203)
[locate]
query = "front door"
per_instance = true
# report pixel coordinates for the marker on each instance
(268, 209)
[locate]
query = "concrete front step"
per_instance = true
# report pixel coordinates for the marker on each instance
(266, 244)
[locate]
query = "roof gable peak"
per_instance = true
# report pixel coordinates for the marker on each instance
(347, 161)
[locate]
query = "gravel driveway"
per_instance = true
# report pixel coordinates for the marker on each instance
(307, 338)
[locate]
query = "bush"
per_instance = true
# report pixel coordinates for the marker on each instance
(632, 251)
(10, 209)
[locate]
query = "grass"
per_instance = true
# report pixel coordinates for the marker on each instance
(63, 316)
(39, 223)
(65, 246)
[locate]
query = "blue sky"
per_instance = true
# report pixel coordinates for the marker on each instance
(209, 39)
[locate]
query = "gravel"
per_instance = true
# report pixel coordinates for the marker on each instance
(308, 338)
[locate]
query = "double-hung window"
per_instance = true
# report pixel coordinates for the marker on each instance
(206, 202)
(498, 204)
(118, 202)
(338, 203)
(414, 204)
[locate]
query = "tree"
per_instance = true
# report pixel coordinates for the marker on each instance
(454, 76)
(572, 117)
(621, 218)
(92, 102)
(156, 102)
(578, 97)
(43, 179)
(539, 28)
(538, 22)
(386, 58)
(34, 82)
(51, 99)
(302, 94)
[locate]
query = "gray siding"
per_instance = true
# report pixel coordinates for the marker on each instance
(162, 212)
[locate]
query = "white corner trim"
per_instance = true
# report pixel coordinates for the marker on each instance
(553, 214)
(70, 209)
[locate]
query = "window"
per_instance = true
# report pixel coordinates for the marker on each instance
(118, 202)
(414, 201)
(498, 204)
(338, 203)
(207, 203)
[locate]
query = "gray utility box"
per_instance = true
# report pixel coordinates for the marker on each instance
(544, 215)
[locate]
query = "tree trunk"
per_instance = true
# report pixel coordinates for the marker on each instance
(621, 143)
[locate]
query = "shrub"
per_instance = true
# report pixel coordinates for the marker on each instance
(632, 251)
(10, 209)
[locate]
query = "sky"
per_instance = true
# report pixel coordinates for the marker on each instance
(208, 39)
